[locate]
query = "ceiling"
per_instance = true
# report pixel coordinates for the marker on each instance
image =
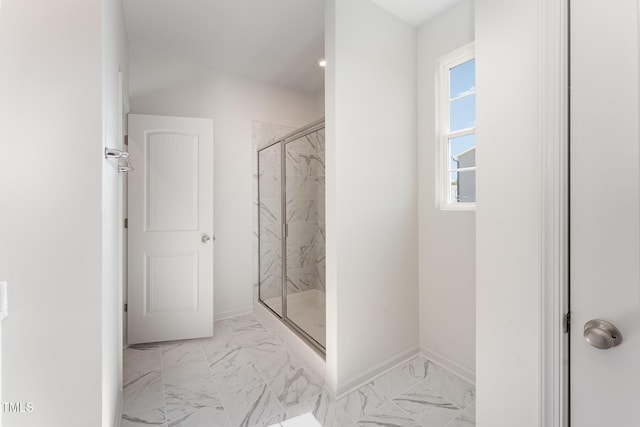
(275, 41)
(414, 12)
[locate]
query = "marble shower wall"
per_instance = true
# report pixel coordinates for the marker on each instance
(305, 212)
(270, 199)
(267, 208)
(305, 195)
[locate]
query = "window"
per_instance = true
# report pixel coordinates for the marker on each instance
(456, 111)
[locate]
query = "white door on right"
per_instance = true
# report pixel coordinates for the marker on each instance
(605, 213)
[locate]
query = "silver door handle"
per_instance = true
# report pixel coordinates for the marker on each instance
(207, 239)
(602, 334)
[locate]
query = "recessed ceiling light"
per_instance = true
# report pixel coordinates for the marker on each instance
(322, 62)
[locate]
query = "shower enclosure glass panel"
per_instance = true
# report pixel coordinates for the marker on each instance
(291, 195)
(270, 226)
(305, 243)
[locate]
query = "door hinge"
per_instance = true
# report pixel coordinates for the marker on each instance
(126, 140)
(126, 223)
(126, 307)
(566, 322)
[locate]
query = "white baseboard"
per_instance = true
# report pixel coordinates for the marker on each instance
(448, 364)
(375, 372)
(232, 313)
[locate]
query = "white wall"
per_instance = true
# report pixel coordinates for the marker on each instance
(508, 216)
(114, 59)
(447, 238)
(166, 85)
(372, 227)
(50, 210)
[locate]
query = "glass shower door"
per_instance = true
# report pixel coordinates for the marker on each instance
(270, 227)
(305, 242)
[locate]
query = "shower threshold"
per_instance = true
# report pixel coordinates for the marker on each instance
(306, 309)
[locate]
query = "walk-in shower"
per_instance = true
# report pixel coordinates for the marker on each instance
(291, 195)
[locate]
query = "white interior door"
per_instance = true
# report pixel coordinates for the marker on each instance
(170, 202)
(605, 211)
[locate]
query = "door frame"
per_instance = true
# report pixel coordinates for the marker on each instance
(554, 211)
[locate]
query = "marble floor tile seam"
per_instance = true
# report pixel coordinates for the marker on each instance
(268, 382)
(217, 386)
(164, 396)
(301, 365)
(197, 341)
(399, 367)
(439, 394)
(390, 402)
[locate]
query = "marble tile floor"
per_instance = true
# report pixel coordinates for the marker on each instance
(246, 376)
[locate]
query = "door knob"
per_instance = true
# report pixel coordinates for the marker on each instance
(602, 334)
(207, 239)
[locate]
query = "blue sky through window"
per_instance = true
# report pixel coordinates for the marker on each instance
(462, 95)
(463, 79)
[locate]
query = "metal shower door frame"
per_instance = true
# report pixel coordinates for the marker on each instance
(294, 136)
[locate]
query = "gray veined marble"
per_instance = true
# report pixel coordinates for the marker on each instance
(463, 420)
(144, 413)
(247, 376)
(191, 395)
(270, 235)
(360, 403)
(427, 406)
(264, 346)
(138, 387)
(204, 416)
(306, 187)
(256, 406)
(143, 408)
(270, 211)
(233, 369)
(304, 171)
(140, 359)
(251, 336)
(270, 185)
(390, 415)
(306, 164)
(276, 364)
(293, 257)
(454, 388)
(176, 352)
(241, 322)
(292, 163)
(187, 374)
(296, 386)
(292, 211)
(406, 376)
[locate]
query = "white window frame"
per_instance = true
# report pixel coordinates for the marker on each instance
(443, 134)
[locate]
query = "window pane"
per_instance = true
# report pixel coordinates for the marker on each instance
(463, 113)
(462, 79)
(462, 153)
(463, 187)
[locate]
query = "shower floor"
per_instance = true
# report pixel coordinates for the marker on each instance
(307, 309)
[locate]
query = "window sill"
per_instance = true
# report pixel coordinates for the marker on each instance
(458, 207)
